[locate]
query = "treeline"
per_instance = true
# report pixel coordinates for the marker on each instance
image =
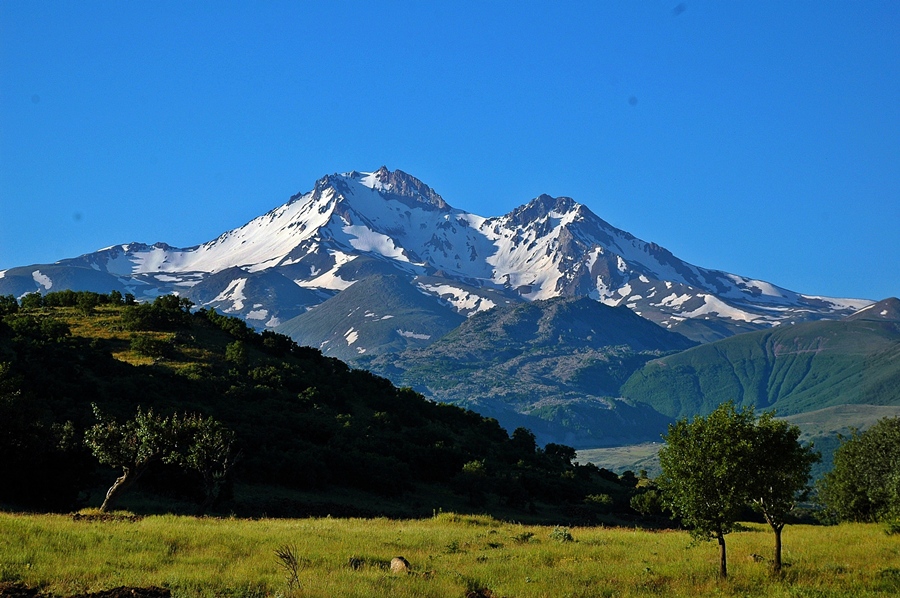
(301, 421)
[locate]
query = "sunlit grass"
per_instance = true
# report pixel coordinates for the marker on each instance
(449, 554)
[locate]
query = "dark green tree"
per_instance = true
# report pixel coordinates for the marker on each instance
(8, 305)
(236, 353)
(864, 484)
(191, 442)
(780, 474)
(32, 301)
(87, 302)
(210, 453)
(705, 465)
(472, 480)
(132, 446)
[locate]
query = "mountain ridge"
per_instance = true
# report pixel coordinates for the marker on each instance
(354, 224)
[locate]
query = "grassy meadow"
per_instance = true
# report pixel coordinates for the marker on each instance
(449, 555)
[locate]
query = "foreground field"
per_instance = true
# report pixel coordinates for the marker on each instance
(450, 555)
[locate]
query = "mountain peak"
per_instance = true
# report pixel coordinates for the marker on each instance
(398, 185)
(541, 207)
(885, 310)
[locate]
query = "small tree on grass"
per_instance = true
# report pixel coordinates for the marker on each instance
(192, 442)
(715, 466)
(705, 464)
(781, 474)
(131, 446)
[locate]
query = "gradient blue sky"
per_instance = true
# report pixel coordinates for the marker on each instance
(760, 138)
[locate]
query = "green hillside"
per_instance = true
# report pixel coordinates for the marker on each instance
(793, 369)
(314, 436)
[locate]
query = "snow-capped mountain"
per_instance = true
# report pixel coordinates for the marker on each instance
(358, 224)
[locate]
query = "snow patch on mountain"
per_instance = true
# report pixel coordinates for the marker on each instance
(42, 280)
(234, 292)
(674, 300)
(841, 303)
(462, 301)
(408, 334)
(715, 306)
(365, 239)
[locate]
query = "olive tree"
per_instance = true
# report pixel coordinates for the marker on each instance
(131, 446)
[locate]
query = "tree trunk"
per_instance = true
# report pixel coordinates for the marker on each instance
(723, 563)
(211, 490)
(129, 476)
(122, 482)
(776, 562)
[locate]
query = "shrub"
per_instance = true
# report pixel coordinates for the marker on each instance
(149, 346)
(561, 534)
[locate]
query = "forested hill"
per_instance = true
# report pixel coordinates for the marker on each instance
(313, 435)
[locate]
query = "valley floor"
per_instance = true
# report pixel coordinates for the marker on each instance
(450, 556)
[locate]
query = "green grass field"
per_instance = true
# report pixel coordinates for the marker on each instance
(449, 554)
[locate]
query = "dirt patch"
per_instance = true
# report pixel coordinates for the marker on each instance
(20, 590)
(126, 592)
(105, 517)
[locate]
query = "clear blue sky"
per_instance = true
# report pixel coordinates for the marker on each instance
(760, 138)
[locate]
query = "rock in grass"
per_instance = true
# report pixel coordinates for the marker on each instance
(399, 565)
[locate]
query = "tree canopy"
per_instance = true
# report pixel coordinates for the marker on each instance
(865, 482)
(190, 441)
(781, 473)
(713, 467)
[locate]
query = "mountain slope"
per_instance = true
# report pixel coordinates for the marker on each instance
(355, 225)
(551, 365)
(379, 314)
(323, 265)
(793, 369)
